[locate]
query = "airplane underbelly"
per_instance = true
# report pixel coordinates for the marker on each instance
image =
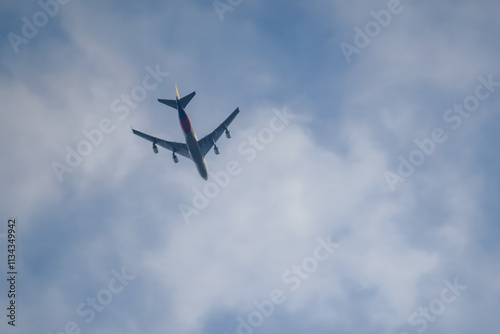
(196, 156)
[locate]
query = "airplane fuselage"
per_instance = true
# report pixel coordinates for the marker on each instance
(192, 142)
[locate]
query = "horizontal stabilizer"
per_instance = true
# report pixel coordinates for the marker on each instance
(184, 101)
(170, 103)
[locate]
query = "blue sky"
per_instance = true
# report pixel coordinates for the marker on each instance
(105, 248)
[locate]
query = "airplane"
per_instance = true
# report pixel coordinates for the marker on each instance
(193, 149)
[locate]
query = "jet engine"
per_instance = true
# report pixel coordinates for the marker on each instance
(176, 160)
(155, 148)
(216, 150)
(228, 134)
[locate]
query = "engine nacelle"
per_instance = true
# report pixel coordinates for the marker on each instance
(176, 160)
(216, 150)
(155, 148)
(228, 134)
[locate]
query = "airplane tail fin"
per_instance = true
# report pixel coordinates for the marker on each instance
(177, 92)
(183, 101)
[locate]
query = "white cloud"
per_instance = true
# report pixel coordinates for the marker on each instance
(120, 207)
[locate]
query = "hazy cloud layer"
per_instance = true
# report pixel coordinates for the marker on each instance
(104, 246)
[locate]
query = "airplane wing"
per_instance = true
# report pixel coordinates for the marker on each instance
(207, 142)
(175, 147)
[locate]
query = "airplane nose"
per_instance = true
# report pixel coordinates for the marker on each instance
(204, 174)
(204, 171)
